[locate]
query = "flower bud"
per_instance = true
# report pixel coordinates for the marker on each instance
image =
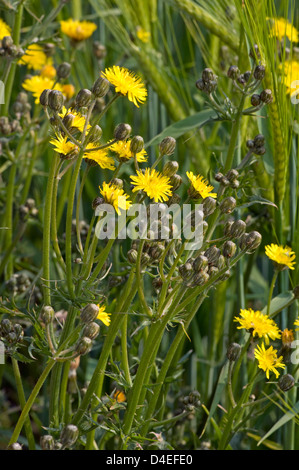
(233, 72)
(55, 100)
(251, 241)
(250, 144)
(132, 256)
(117, 182)
(68, 120)
(99, 50)
(200, 278)
(259, 140)
(260, 151)
(63, 70)
(233, 352)
(100, 87)
(47, 442)
(227, 205)
(286, 382)
(209, 205)
(175, 181)
(259, 72)
(229, 249)
(207, 75)
(221, 262)
(200, 263)
(122, 131)
(98, 201)
(156, 251)
(255, 53)
(6, 327)
(170, 168)
(47, 314)
(227, 227)
(167, 146)
(237, 229)
(266, 96)
(89, 313)
(137, 144)
(200, 84)
(44, 97)
(186, 271)
(69, 435)
(83, 98)
(212, 253)
(91, 330)
(14, 446)
(255, 100)
(83, 346)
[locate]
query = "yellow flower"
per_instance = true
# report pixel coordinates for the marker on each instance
(290, 76)
(68, 90)
(62, 145)
(281, 28)
(78, 121)
(200, 186)
(126, 83)
(268, 360)
(5, 30)
(35, 58)
(119, 396)
(143, 35)
(48, 71)
(296, 323)
(103, 316)
(283, 257)
(115, 196)
(287, 337)
(258, 324)
(155, 185)
(122, 149)
(37, 84)
(77, 30)
(100, 156)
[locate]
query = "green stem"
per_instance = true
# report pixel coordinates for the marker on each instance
(271, 289)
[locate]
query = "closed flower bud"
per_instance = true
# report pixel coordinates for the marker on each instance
(250, 144)
(156, 251)
(91, 330)
(213, 270)
(98, 201)
(200, 84)
(47, 314)
(44, 97)
(117, 182)
(14, 446)
(255, 100)
(210, 86)
(218, 176)
(212, 253)
(233, 72)
(200, 263)
(209, 205)
(63, 70)
(137, 144)
(170, 168)
(11, 337)
(205, 227)
(6, 326)
(83, 98)
(221, 262)
(229, 249)
(69, 435)
(266, 96)
(132, 256)
(237, 229)
(167, 146)
(233, 352)
(207, 75)
(145, 259)
(260, 150)
(253, 241)
(175, 181)
(227, 227)
(259, 140)
(186, 270)
(7, 42)
(228, 205)
(247, 75)
(232, 175)
(99, 50)
(100, 87)
(83, 346)
(200, 278)
(47, 442)
(259, 72)
(55, 100)
(18, 331)
(68, 120)
(286, 382)
(89, 313)
(122, 131)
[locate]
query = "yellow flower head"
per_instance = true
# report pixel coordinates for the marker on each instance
(200, 187)
(283, 257)
(37, 84)
(99, 156)
(119, 396)
(290, 76)
(281, 28)
(123, 151)
(268, 360)
(68, 90)
(143, 35)
(62, 145)
(155, 185)
(103, 316)
(126, 83)
(296, 323)
(287, 337)
(48, 71)
(258, 324)
(35, 58)
(77, 30)
(5, 30)
(115, 196)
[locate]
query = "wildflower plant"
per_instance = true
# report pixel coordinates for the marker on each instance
(118, 248)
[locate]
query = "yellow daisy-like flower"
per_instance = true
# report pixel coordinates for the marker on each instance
(99, 156)
(296, 323)
(290, 76)
(68, 90)
(200, 187)
(258, 324)
(48, 71)
(37, 84)
(283, 257)
(77, 30)
(62, 145)
(143, 35)
(78, 121)
(126, 83)
(119, 396)
(155, 185)
(115, 196)
(103, 316)
(35, 58)
(281, 28)
(123, 151)
(268, 360)
(5, 30)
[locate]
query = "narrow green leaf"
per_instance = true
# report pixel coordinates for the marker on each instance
(282, 421)
(280, 302)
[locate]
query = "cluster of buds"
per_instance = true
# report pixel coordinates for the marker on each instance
(208, 81)
(11, 333)
(170, 170)
(192, 401)
(21, 106)
(257, 145)
(67, 439)
(265, 97)
(90, 329)
(18, 283)
(8, 127)
(9, 49)
(230, 179)
(28, 209)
